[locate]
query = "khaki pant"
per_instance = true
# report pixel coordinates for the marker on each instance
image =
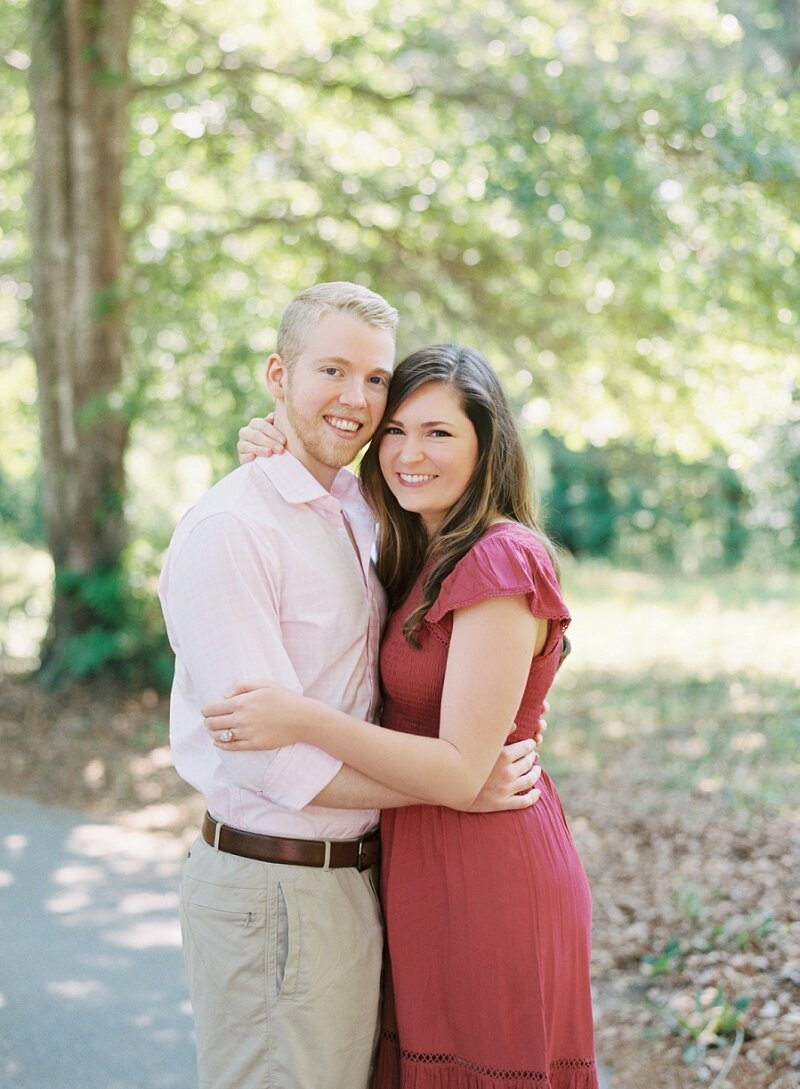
(284, 965)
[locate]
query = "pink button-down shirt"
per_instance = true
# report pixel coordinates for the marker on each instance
(263, 580)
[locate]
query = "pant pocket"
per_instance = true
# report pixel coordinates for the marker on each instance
(225, 947)
(287, 955)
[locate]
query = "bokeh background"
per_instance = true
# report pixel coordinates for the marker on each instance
(602, 196)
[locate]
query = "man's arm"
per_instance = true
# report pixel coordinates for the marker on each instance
(509, 786)
(349, 789)
(221, 610)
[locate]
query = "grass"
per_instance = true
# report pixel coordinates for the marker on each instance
(693, 682)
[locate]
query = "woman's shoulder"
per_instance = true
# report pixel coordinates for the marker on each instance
(509, 559)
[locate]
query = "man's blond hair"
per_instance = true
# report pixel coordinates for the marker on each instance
(306, 309)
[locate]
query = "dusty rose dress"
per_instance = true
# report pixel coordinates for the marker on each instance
(488, 916)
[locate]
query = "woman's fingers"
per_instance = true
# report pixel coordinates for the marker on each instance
(524, 801)
(528, 780)
(519, 750)
(259, 438)
(216, 710)
(541, 726)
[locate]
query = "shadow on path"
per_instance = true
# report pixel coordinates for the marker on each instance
(92, 992)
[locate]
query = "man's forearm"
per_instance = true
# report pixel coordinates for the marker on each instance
(349, 789)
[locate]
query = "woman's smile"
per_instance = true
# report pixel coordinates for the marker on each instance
(428, 452)
(416, 479)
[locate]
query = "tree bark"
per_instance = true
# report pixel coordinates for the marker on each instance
(79, 93)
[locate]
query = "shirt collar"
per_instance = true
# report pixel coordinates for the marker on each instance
(295, 483)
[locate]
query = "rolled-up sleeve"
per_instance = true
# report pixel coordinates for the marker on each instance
(220, 601)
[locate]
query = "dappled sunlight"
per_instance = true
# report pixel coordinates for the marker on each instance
(68, 903)
(150, 935)
(96, 930)
(679, 733)
(694, 747)
(625, 622)
(749, 742)
(124, 850)
(709, 785)
(81, 990)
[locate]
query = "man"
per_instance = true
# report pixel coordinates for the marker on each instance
(269, 576)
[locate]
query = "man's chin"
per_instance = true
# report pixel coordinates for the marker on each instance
(337, 455)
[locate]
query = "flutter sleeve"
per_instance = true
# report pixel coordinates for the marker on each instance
(508, 561)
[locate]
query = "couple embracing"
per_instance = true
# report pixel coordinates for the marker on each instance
(276, 602)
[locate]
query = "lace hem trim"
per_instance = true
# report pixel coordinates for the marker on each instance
(428, 1058)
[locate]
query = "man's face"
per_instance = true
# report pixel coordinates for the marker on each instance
(333, 397)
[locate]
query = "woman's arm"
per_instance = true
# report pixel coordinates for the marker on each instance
(487, 668)
(259, 438)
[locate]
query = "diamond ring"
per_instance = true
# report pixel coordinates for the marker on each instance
(226, 735)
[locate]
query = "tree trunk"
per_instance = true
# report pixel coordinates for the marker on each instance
(79, 93)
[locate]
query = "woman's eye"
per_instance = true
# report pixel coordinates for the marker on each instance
(439, 434)
(392, 431)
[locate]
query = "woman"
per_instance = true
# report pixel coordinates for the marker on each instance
(487, 916)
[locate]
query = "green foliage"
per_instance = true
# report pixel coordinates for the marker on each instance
(638, 508)
(656, 964)
(601, 200)
(118, 631)
(601, 196)
(708, 1018)
(739, 933)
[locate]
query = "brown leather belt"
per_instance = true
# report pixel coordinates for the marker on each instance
(329, 854)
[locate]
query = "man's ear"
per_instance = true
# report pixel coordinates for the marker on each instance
(276, 376)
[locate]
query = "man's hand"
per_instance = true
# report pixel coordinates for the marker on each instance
(512, 780)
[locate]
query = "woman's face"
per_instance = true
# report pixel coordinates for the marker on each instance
(428, 452)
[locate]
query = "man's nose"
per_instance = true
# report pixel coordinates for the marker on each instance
(354, 394)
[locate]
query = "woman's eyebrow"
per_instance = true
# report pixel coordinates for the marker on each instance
(428, 423)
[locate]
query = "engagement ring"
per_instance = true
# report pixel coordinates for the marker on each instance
(226, 735)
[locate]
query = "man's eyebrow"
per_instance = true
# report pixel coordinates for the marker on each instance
(343, 361)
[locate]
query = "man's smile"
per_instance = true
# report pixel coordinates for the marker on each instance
(342, 423)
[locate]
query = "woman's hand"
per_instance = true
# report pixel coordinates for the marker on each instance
(257, 716)
(541, 725)
(260, 438)
(512, 780)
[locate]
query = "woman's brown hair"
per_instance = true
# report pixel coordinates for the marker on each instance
(500, 486)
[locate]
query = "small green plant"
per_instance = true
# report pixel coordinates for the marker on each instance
(743, 930)
(706, 1019)
(657, 964)
(690, 903)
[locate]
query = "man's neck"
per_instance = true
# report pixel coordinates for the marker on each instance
(323, 474)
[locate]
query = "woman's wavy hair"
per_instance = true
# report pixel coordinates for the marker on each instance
(500, 486)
